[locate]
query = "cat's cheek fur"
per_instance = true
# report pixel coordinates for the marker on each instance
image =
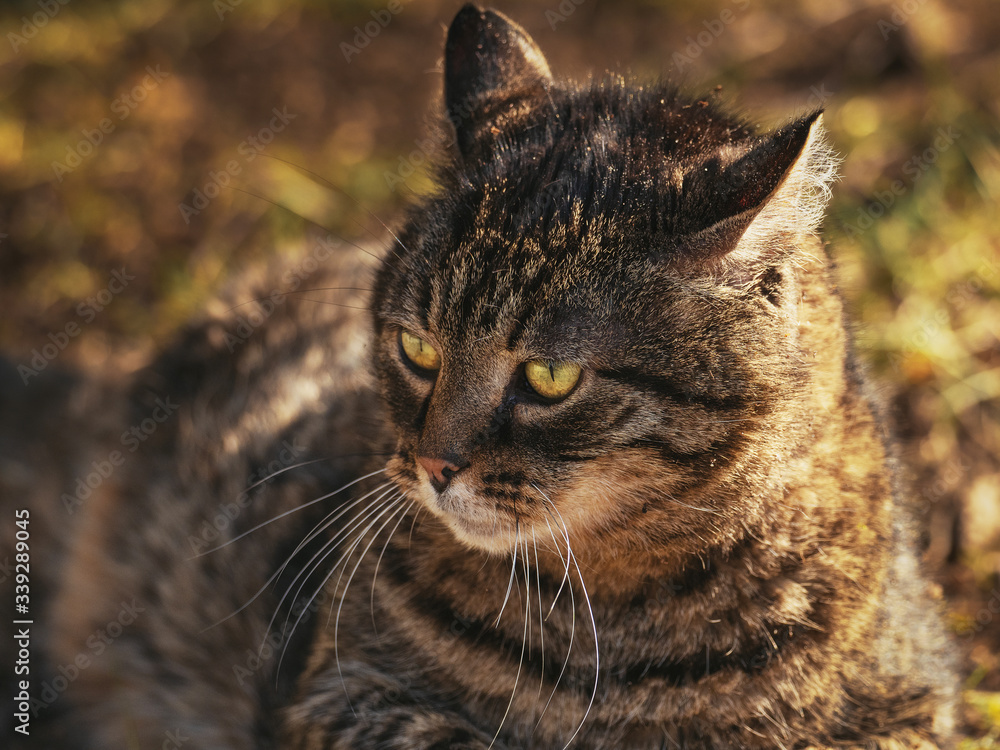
(624, 503)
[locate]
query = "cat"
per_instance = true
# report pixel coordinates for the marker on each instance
(598, 469)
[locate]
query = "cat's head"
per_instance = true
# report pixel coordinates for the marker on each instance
(591, 327)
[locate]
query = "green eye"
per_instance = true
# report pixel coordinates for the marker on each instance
(419, 352)
(551, 379)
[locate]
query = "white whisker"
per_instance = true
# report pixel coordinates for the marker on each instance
(399, 502)
(541, 621)
(675, 501)
(317, 530)
(593, 622)
(325, 551)
(378, 562)
(524, 634)
(572, 599)
(333, 546)
(510, 585)
(345, 558)
(551, 508)
(558, 552)
(287, 512)
(281, 471)
(527, 583)
(331, 518)
(324, 524)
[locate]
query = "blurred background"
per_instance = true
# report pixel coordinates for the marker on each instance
(149, 152)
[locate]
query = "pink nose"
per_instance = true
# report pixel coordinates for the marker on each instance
(439, 471)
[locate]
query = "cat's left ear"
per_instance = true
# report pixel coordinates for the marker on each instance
(765, 202)
(493, 72)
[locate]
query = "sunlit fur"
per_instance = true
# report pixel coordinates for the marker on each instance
(702, 545)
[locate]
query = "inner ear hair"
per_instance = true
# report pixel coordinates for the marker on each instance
(795, 209)
(772, 199)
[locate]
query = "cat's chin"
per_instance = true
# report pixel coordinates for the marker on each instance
(463, 513)
(480, 538)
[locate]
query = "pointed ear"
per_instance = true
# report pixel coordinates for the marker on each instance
(491, 67)
(766, 202)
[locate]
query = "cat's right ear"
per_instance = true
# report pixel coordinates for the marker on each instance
(492, 71)
(762, 205)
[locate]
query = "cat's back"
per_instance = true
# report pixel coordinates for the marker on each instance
(55, 427)
(219, 447)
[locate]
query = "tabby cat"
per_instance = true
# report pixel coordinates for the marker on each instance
(598, 471)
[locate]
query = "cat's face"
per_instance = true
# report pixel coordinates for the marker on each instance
(564, 340)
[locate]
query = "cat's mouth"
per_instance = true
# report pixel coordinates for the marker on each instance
(475, 518)
(470, 518)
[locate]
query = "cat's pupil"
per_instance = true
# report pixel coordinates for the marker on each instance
(419, 352)
(551, 379)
